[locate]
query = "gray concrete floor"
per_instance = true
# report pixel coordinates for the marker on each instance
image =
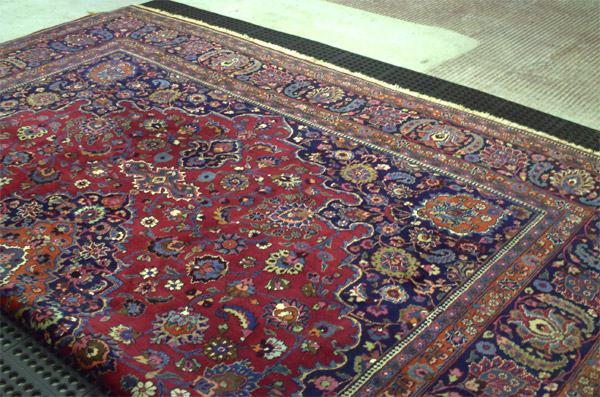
(384, 34)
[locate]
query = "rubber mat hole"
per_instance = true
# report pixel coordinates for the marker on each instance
(17, 352)
(62, 388)
(36, 393)
(2, 383)
(39, 369)
(21, 382)
(13, 376)
(54, 381)
(28, 388)
(9, 389)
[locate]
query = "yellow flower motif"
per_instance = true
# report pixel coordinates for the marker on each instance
(142, 389)
(122, 333)
(577, 182)
(285, 262)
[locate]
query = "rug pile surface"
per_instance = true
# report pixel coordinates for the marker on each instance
(187, 211)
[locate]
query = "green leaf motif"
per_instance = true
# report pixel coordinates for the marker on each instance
(169, 270)
(282, 369)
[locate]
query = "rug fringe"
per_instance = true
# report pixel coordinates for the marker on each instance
(372, 80)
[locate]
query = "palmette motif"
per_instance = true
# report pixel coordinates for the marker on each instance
(186, 212)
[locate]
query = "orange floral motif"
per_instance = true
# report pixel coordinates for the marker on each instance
(460, 214)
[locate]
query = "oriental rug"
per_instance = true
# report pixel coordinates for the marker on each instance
(188, 211)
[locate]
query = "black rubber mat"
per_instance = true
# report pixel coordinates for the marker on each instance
(414, 81)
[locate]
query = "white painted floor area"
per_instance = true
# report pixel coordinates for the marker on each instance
(414, 46)
(21, 17)
(353, 30)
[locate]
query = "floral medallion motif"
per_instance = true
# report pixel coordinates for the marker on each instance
(13, 258)
(109, 72)
(211, 155)
(179, 327)
(437, 135)
(206, 268)
(498, 377)
(546, 330)
(395, 262)
(460, 214)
